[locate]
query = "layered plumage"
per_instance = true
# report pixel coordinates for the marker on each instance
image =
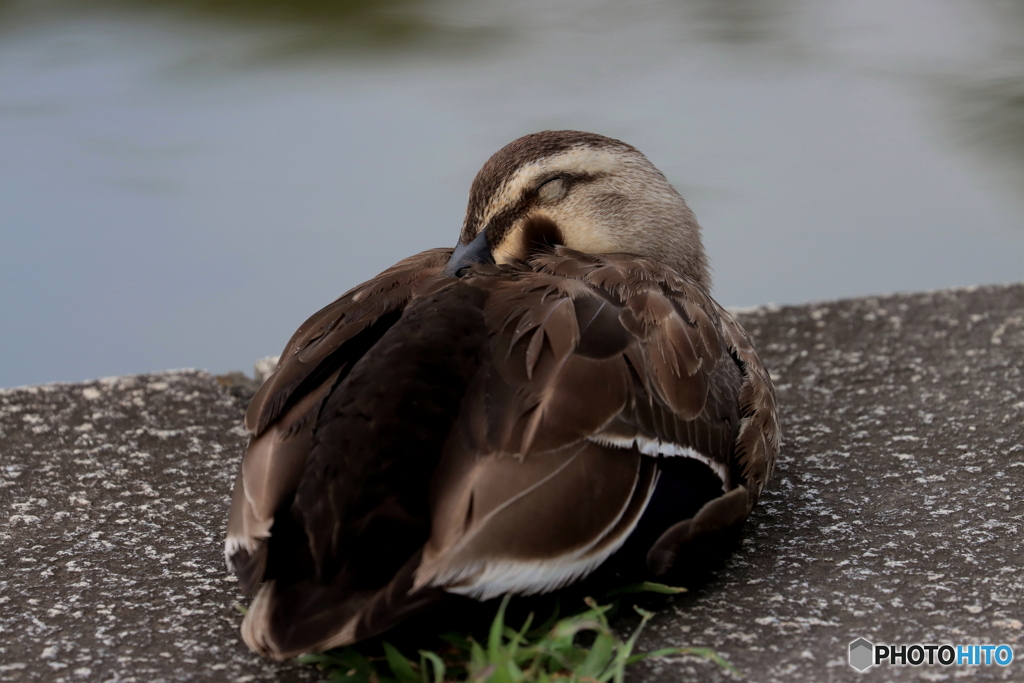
(503, 419)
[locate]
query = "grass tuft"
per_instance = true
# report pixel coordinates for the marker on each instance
(580, 648)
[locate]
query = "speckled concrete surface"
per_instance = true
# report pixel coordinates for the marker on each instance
(114, 495)
(895, 513)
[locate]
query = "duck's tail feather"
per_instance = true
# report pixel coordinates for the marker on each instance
(287, 621)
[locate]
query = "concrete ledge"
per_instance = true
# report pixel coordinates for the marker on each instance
(895, 514)
(896, 511)
(116, 493)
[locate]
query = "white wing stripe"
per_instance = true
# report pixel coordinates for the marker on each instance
(656, 447)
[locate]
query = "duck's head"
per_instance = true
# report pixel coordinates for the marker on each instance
(585, 191)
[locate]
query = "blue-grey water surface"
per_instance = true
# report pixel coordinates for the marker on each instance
(183, 182)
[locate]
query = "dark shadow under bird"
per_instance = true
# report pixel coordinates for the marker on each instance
(505, 417)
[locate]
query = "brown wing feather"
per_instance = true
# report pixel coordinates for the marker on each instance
(589, 352)
(282, 415)
(360, 509)
(531, 524)
(686, 381)
(532, 387)
(697, 351)
(529, 392)
(760, 438)
(317, 341)
(271, 470)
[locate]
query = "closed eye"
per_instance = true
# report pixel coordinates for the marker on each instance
(552, 189)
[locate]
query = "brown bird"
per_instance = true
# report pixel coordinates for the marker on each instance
(501, 418)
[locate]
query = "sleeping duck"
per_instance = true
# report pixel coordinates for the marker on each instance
(504, 417)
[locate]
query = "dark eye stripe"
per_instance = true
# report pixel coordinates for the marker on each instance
(503, 221)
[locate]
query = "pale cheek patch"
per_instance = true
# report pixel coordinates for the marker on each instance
(511, 248)
(579, 231)
(586, 234)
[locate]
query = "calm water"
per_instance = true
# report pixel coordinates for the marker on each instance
(182, 182)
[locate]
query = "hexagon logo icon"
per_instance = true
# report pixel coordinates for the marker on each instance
(860, 654)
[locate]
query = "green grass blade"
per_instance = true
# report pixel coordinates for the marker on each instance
(647, 587)
(477, 659)
(342, 665)
(495, 638)
(599, 657)
(484, 674)
(352, 660)
(542, 629)
(663, 652)
(571, 628)
(550, 653)
(436, 662)
(400, 666)
(518, 639)
(618, 669)
(645, 616)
